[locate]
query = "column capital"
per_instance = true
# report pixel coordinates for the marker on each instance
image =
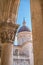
(7, 31)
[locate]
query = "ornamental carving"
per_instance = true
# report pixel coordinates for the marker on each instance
(7, 36)
(7, 31)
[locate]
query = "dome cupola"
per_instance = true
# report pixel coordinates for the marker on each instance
(24, 27)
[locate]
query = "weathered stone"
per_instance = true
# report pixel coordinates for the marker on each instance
(7, 31)
(37, 30)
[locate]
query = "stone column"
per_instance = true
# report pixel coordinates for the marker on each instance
(7, 54)
(37, 30)
(7, 35)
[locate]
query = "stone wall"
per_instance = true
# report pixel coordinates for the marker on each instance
(37, 30)
(8, 9)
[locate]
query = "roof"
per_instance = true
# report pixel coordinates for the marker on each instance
(23, 28)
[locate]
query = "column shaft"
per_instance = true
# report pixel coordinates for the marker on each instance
(7, 54)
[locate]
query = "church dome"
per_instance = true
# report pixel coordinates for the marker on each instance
(24, 27)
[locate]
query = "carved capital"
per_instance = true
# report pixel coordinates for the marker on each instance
(7, 32)
(7, 36)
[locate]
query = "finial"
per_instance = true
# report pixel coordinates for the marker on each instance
(24, 23)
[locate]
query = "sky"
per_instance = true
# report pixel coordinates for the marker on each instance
(24, 13)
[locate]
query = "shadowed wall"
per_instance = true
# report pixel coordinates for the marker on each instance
(37, 30)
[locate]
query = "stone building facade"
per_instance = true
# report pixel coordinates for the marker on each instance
(23, 51)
